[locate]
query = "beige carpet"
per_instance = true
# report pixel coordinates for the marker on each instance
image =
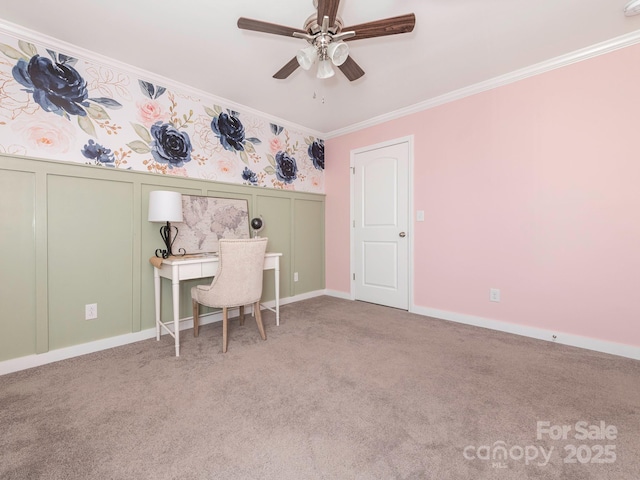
(341, 390)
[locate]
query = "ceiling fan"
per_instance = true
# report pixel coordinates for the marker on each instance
(326, 34)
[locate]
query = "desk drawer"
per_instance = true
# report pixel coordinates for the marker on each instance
(209, 269)
(193, 270)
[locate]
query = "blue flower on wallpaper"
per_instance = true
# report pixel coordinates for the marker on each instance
(57, 86)
(230, 131)
(286, 167)
(169, 145)
(249, 176)
(95, 151)
(316, 154)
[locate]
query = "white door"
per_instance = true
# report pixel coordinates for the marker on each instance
(380, 227)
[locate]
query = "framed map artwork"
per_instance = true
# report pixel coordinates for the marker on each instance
(208, 219)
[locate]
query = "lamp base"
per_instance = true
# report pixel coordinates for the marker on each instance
(165, 233)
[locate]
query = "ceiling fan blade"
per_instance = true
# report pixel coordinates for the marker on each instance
(380, 28)
(328, 8)
(351, 69)
(266, 27)
(287, 70)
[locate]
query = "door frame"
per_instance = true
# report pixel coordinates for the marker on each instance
(411, 220)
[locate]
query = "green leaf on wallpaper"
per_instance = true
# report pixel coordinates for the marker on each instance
(87, 125)
(139, 147)
(308, 140)
(271, 160)
(269, 170)
(210, 112)
(11, 52)
(218, 109)
(248, 146)
(107, 102)
(142, 132)
(244, 157)
(28, 48)
(97, 112)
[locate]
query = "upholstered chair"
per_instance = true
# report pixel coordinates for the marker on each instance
(237, 283)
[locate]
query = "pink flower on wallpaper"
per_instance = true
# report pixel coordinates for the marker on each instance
(316, 182)
(150, 112)
(276, 145)
(53, 134)
(227, 167)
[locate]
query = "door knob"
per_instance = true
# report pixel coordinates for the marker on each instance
(402, 234)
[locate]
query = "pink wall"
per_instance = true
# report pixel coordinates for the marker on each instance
(533, 188)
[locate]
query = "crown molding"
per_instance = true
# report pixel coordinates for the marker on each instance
(21, 33)
(536, 69)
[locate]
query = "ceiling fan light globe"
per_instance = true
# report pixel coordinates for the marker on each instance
(632, 8)
(338, 53)
(325, 70)
(306, 57)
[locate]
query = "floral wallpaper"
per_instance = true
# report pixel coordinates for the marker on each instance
(58, 107)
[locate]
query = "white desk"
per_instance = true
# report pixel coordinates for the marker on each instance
(177, 269)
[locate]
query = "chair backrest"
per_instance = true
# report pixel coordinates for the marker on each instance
(239, 278)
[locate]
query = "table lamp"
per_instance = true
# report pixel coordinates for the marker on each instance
(165, 206)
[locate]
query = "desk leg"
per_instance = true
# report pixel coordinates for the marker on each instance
(277, 278)
(157, 293)
(175, 287)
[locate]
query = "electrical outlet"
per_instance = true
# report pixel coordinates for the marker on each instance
(420, 216)
(295, 276)
(91, 311)
(494, 294)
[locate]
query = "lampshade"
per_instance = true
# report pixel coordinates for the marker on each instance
(325, 70)
(306, 57)
(165, 206)
(338, 52)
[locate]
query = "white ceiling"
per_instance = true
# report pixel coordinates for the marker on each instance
(456, 43)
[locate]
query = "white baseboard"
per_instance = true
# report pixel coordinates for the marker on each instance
(297, 298)
(30, 361)
(337, 294)
(613, 348)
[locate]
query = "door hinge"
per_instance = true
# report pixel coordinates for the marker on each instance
(354, 223)
(353, 170)
(354, 276)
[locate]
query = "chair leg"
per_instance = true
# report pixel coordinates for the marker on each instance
(225, 327)
(196, 320)
(241, 314)
(256, 309)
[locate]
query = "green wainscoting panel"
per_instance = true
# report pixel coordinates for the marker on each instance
(90, 258)
(17, 264)
(276, 214)
(308, 231)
